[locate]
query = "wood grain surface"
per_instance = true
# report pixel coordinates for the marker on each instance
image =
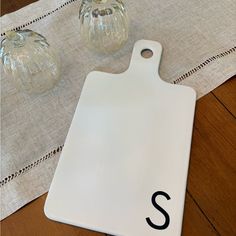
(210, 208)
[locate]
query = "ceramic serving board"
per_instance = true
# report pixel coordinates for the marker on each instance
(124, 166)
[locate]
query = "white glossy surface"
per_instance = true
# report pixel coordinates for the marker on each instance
(129, 138)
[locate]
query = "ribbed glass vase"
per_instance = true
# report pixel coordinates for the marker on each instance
(103, 24)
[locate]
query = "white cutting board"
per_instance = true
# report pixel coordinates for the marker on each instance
(124, 166)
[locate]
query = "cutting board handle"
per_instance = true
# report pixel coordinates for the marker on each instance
(147, 66)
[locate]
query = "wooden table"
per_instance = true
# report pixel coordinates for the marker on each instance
(211, 192)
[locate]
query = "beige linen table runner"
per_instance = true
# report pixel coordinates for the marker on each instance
(199, 41)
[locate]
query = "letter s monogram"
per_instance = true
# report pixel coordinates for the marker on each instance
(167, 217)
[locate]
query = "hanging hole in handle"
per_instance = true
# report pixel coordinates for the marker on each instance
(146, 53)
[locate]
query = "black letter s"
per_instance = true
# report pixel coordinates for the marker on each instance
(167, 217)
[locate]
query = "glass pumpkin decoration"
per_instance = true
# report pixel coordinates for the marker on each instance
(30, 61)
(103, 24)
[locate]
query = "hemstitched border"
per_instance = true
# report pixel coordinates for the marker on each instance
(202, 65)
(30, 166)
(41, 17)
